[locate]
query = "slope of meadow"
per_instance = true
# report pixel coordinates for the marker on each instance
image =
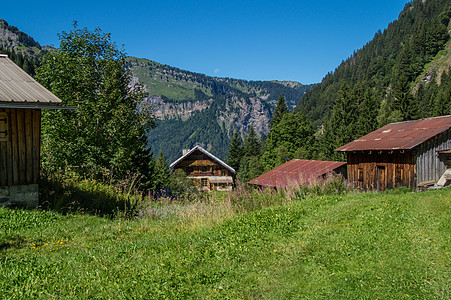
(393, 245)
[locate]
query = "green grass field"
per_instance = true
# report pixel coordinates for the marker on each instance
(393, 245)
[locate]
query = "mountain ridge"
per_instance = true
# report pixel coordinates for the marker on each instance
(195, 108)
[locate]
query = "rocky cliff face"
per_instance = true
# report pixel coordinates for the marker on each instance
(170, 110)
(195, 108)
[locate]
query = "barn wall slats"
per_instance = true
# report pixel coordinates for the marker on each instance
(430, 166)
(381, 169)
(19, 155)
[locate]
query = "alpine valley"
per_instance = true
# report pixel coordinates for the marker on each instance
(190, 107)
(194, 108)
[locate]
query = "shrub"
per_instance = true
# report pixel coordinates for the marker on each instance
(66, 192)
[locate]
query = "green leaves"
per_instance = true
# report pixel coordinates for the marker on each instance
(292, 135)
(105, 130)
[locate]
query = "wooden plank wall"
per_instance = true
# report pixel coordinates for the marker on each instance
(398, 167)
(429, 165)
(20, 153)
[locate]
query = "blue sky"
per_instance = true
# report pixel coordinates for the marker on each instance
(253, 40)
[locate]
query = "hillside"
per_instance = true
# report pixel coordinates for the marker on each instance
(392, 245)
(21, 47)
(195, 108)
(191, 107)
(402, 74)
(397, 56)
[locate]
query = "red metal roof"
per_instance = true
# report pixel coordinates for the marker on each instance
(403, 135)
(296, 171)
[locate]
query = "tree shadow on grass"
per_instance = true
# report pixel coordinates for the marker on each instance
(88, 197)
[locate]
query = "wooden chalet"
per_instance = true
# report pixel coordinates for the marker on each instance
(21, 101)
(297, 172)
(205, 169)
(412, 154)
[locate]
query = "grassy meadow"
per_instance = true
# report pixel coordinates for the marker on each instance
(249, 244)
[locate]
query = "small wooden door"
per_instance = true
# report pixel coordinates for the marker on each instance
(381, 178)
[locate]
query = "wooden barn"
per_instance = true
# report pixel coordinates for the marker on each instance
(297, 172)
(205, 169)
(21, 101)
(412, 154)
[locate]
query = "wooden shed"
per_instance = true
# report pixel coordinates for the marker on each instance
(21, 101)
(411, 154)
(205, 169)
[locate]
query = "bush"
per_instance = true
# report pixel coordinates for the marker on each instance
(67, 193)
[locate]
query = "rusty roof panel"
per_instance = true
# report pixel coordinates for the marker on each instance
(296, 171)
(403, 135)
(17, 87)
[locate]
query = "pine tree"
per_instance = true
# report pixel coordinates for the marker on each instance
(341, 128)
(280, 110)
(251, 144)
(292, 136)
(162, 173)
(235, 152)
(368, 110)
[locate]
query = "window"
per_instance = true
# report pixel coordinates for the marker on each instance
(360, 175)
(223, 173)
(223, 185)
(204, 169)
(204, 182)
(3, 127)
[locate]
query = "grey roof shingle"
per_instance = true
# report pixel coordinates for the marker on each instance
(17, 88)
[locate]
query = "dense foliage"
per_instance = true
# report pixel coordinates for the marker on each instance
(388, 80)
(104, 135)
(203, 103)
(388, 64)
(402, 74)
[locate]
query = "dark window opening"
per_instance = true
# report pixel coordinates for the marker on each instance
(3, 126)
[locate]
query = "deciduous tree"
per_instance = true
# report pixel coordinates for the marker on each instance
(105, 131)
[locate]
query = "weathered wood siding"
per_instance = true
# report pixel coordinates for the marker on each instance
(20, 146)
(380, 170)
(199, 164)
(429, 165)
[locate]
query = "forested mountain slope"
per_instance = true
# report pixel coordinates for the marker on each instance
(21, 47)
(401, 74)
(195, 108)
(191, 107)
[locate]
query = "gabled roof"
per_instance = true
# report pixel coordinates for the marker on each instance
(206, 153)
(296, 171)
(18, 89)
(402, 136)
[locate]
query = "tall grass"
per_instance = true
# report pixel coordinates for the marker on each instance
(70, 193)
(208, 208)
(391, 245)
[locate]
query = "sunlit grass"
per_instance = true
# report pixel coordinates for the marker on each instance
(393, 245)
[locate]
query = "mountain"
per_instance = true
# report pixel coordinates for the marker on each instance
(402, 74)
(191, 107)
(21, 48)
(400, 57)
(195, 108)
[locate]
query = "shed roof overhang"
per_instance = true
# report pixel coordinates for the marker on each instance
(19, 90)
